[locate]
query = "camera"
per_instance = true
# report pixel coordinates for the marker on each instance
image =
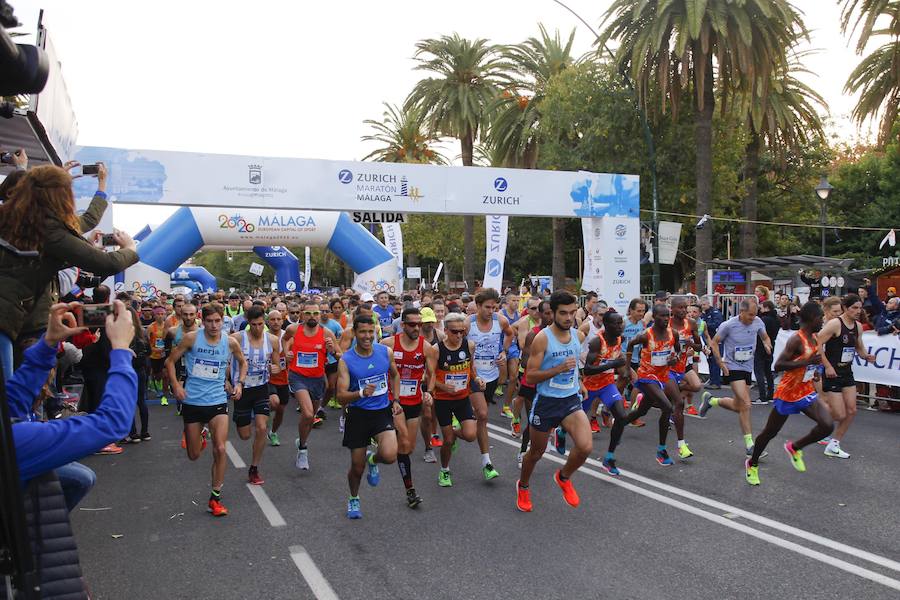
(108, 239)
(88, 280)
(7, 157)
(90, 169)
(93, 315)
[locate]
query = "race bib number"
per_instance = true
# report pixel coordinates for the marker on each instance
(564, 380)
(810, 372)
(847, 353)
(282, 363)
(408, 387)
(483, 363)
(743, 353)
(255, 378)
(307, 360)
(379, 381)
(660, 358)
(458, 382)
(205, 369)
(159, 344)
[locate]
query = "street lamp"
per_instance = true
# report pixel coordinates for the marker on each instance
(823, 190)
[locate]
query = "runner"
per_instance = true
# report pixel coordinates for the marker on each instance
(604, 359)
(414, 357)
(523, 327)
(525, 398)
(307, 348)
(328, 322)
(590, 329)
(279, 391)
(795, 394)
(659, 352)
(687, 380)
(385, 313)
(492, 336)
(174, 336)
(510, 375)
(553, 368)
(427, 422)
(156, 335)
(207, 355)
(634, 324)
(454, 373)
(587, 311)
(261, 351)
(362, 386)
(739, 336)
(839, 342)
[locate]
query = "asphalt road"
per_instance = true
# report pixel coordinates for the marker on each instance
(693, 530)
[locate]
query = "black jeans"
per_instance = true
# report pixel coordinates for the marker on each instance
(141, 403)
(762, 370)
(94, 384)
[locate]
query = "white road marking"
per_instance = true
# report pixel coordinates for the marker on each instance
(266, 505)
(236, 459)
(715, 518)
(734, 510)
(320, 587)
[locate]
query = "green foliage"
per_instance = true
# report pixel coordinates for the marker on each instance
(404, 137)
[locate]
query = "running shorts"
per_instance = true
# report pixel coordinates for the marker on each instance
(412, 411)
(361, 425)
(548, 412)
(445, 410)
(786, 408)
(194, 413)
(254, 402)
(843, 380)
(734, 375)
(314, 385)
(608, 394)
(282, 391)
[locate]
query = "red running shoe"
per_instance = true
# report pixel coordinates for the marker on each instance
(254, 478)
(523, 498)
(216, 508)
(595, 426)
(568, 490)
(692, 411)
(436, 441)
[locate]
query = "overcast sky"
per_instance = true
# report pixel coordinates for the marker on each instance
(296, 79)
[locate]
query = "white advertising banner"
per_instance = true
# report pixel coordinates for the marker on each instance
(393, 241)
(669, 237)
(621, 262)
(185, 178)
(592, 234)
(496, 231)
(53, 106)
(307, 269)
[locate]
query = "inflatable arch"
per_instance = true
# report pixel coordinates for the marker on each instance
(190, 229)
(204, 278)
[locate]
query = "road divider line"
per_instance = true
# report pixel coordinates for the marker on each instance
(783, 527)
(236, 459)
(320, 587)
(715, 518)
(266, 505)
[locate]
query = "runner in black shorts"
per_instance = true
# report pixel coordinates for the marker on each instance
(279, 392)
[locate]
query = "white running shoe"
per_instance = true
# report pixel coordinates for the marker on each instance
(429, 456)
(303, 459)
(341, 423)
(519, 458)
(834, 450)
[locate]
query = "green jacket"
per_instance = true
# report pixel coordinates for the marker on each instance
(29, 283)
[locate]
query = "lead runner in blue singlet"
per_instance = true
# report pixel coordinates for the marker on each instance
(207, 353)
(553, 367)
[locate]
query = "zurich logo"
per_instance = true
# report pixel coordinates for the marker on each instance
(620, 231)
(291, 286)
(494, 267)
(500, 184)
(345, 176)
(621, 273)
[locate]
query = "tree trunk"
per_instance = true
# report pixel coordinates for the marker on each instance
(703, 134)
(468, 142)
(558, 269)
(749, 204)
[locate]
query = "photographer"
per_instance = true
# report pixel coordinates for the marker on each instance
(886, 323)
(39, 236)
(44, 446)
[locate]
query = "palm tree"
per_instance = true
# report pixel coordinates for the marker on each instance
(784, 120)
(877, 77)
(404, 137)
(668, 45)
(516, 115)
(469, 76)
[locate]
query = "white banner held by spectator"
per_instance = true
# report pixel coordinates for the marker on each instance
(307, 270)
(496, 230)
(393, 241)
(669, 237)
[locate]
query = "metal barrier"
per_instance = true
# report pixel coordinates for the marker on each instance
(730, 304)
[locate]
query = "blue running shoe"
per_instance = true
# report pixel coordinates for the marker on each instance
(609, 467)
(372, 476)
(662, 457)
(353, 511)
(559, 440)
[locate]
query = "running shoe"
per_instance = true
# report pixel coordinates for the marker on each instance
(824, 441)
(254, 478)
(662, 457)
(758, 401)
(691, 411)
(489, 472)
(178, 408)
(317, 421)
(274, 440)
(637, 401)
(372, 476)
(609, 467)
(321, 413)
(595, 426)
(444, 479)
(145, 437)
(568, 490)
(412, 498)
(684, 452)
(342, 420)
(638, 423)
(429, 456)
(834, 450)
(163, 401)
(796, 457)
(764, 454)
(705, 404)
(353, 511)
(506, 412)
(111, 449)
(436, 441)
(519, 457)
(751, 473)
(515, 428)
(302, 459)
(216, 508)
(523, 498)
(131, 439)
(559, 440)
(333, 403)
(606, 419)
